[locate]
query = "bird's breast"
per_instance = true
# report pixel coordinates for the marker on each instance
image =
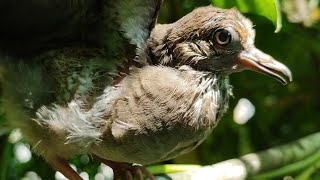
(160, 113)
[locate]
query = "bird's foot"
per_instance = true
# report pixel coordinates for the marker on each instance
(129, 172)
(63, 167)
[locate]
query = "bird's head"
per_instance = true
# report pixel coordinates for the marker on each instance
(214, 40)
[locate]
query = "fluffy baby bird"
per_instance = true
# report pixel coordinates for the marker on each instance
(169, 96)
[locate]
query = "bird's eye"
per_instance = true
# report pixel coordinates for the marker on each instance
(222, 37)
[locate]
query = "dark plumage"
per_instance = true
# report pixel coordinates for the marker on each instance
(139, 105)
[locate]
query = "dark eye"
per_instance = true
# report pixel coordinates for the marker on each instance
(222, 37)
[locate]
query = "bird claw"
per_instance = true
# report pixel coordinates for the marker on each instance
(129, 172)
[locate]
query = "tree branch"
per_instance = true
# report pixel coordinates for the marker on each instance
(274, 162)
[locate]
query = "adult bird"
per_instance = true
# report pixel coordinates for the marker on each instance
(129, 91)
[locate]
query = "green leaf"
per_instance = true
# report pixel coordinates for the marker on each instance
(267, 8)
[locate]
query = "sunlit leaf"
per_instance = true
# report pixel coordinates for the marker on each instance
(267, 8)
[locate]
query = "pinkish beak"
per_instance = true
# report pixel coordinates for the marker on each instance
(256, 60)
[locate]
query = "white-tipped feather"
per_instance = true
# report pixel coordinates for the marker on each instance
(71, 121)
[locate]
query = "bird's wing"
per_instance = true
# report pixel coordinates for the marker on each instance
(137, 18)
(79, 44)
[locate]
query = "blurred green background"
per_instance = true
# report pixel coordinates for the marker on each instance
(281, 113)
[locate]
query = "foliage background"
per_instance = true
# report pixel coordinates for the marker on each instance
(283, 113)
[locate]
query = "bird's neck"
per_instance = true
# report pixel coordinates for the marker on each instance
(212, 100)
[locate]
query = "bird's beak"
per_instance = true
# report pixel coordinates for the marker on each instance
(256, 60)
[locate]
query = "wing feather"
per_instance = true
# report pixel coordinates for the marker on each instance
(137, 18)
(80, 45)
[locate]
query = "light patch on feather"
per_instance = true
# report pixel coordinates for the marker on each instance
(211, 100)
(71, 122)
(136, 17)
(120, 128)
(103, 105)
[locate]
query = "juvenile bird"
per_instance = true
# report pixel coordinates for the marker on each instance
(168, 97)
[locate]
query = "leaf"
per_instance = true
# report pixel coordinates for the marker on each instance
(267, 8)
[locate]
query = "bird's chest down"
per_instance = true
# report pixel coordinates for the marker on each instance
(160, 113)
